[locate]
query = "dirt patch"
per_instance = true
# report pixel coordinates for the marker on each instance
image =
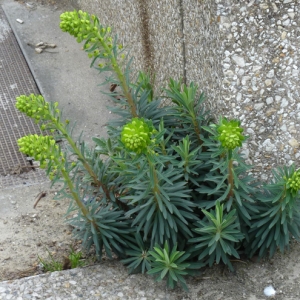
(251, 278)
(28, 232)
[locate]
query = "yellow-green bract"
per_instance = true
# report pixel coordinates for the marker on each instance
(293, 183)
(230, 134)
(41, 148)
(34, 106)
(136, 135)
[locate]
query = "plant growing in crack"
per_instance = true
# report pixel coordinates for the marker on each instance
(167, 177)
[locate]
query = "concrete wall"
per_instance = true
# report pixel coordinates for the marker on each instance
(243, 54)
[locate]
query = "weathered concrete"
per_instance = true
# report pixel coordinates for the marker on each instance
(243, 54)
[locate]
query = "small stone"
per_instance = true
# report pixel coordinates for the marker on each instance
(268, 145)
(271, 112)
(269, 100)
(259, 106)
(287, 1)
(245, 153)
(283, 35)
(239, 60)
(241, 72)
(286, 22)
(283, 128)
(269, 291)
(275, 8)
(277, 98)
(245, 79)
(250, 131)
(238, 97)
(229, 73)
(264, 6)
(227, 53)
(284, 103)
(120, 294)
(294, 143)
(262, 129)
(256, 68)
(270, 74)
(268, 82)
(291, 15)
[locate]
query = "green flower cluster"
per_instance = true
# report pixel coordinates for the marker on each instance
(35, 106)
(41, 148)
(79, 24)
(293, 183)
(136, 135)
(230, 134)
(83, 26)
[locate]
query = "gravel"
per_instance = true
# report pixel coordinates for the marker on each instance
(261, 84)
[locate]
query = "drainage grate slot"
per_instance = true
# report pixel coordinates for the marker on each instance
(15, 79)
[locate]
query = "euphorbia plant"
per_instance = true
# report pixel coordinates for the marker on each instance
(167, 177)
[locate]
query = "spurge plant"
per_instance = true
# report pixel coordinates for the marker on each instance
(168, 191)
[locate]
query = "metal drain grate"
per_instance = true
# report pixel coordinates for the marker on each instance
(15, 79)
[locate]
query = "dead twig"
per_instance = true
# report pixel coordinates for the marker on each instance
(39, 197)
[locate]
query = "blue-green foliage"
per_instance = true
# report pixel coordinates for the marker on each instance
(189, 191)
(179, 192)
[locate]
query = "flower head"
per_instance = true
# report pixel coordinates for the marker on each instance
(136, 135)
(34, 106)
(293, 182)
(230, 134)
(84, 26)
(78, 23)
(41, 148)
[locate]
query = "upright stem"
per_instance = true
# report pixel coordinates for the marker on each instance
(230, 174)
(76, 197)
(197, 130)
(81, 157)
(121, 77)
(152, 169)
(74, 193)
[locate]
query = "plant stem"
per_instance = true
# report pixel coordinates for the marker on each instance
(152, 169)
(98, 183)
(230, 175)
(121, 77)
(75, 194)
(196, 128)
(76, 197)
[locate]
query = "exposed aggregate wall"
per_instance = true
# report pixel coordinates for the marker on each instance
(243, 54)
